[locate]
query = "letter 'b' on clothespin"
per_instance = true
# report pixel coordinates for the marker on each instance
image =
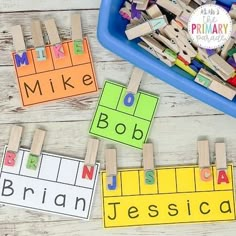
(37, 37)
(21, 57)
(221, 163)
(77, 35)
(111, 168)
(36, 148)
(148, 163)
(54, 38)
(90, 159)
(13, 145)
(204, 160)
(133, 86)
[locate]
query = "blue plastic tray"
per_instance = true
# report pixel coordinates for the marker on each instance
(111, 34)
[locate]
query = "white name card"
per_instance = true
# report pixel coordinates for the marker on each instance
(59, 185)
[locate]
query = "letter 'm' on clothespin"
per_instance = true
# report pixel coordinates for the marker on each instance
(36, 148)
(148, 163)
(77, 34)
(111, 168)
(204, 160)
(90, 159)
(221, 163)
(54, 38)
(133, 86)
(37, 37)
(21, 57)
(13, 145)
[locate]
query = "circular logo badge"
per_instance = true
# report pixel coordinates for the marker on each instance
(210, 26)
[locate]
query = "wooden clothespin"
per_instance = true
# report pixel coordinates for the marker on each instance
(175, 33)
(229, 44)
(90, 158)
(204, 160)
(221, 163)
(217, 63)
(185, 15)
(21, 57)
(215, 84)
(154, 11)
(77, 34)
(13, 145)
(54, 38)
(232, 11)
(111, 168)
(146, 27)
(171, 6)
(36, 148)
(38, 40)
(148, 163)
(133, 86)
(142, 5)
(160, 50)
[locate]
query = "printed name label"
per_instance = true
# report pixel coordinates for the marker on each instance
(56, 186)
(177, 196)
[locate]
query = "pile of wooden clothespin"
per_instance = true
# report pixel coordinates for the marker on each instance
(162, 27)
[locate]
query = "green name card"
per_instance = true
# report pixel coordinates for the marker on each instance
(115, 121)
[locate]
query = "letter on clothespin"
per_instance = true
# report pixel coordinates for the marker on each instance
(221, 163)
(146, 27)
(77, 34)
(111, 168)
(148, 163)
(90, 158)
(54, 38)
(36, 148)
(21, 57)
(215, 84)
(204, 160)
(133, 86)
(37, 37)
(13, 145)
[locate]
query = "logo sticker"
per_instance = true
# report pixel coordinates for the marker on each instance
(210, 26)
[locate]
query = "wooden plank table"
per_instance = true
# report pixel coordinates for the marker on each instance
(178, 123)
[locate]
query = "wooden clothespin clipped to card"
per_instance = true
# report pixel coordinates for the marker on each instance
(204, 160)
(21, 56)
(77, 34)
(221, 163)
(38, 40)
(146, 27)
(111, 168)
(54, 38)
(133, 86)
(36, 148)
(90, 159)
(13, 145)
(148, 163)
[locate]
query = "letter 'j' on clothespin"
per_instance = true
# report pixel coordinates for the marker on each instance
(111, 168)
(36, 148)
(221, 163)
(204, 160)
(21, 57)
(13, 145)
(90, 159)
(37, 37)
(54, 38)
(148, 163)
(77, 34)
(133, 86)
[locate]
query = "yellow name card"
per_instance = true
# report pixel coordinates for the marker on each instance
(177, 196)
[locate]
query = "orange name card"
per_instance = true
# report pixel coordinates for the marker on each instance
(55, 78)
